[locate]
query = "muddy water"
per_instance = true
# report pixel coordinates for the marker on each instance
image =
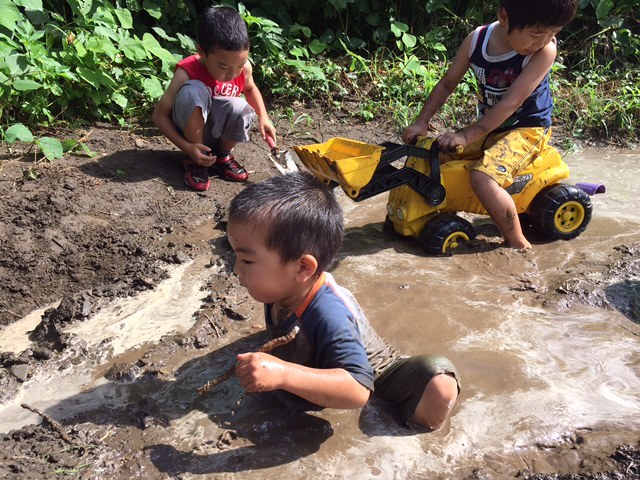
(121, 331)
(542, 352)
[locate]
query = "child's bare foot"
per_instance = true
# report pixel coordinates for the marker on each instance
(520, 246)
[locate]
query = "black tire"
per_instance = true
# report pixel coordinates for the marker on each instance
(444, 233)
(387, 227)
(560, 212)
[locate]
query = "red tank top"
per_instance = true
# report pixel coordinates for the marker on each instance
(197, 71)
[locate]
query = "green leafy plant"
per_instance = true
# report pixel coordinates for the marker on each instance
(49, 147)
(64, 62)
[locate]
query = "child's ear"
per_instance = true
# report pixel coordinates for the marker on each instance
(503, 18)
(200, 51)
(307, 266)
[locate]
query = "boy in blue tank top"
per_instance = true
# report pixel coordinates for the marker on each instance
(511, 59)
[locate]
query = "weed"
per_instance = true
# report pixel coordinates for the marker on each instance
(84, 61)
(49, 148)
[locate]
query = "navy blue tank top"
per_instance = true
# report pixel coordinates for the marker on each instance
(496, 73)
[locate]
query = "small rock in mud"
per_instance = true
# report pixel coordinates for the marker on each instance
(233, 315)
(41, 353)
(123, 372)
(177, 258)
(7, 359)
(201, 341)
(48, 332)
(21, 372)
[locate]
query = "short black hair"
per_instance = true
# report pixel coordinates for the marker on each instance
(222, 28)
(297, 213)
(545, 13)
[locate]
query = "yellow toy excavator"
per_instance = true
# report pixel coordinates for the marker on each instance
(425, 195)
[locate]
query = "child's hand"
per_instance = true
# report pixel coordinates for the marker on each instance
(266, 128)
(450, 142)
(412, 132)
(200, 154)
(259, 372)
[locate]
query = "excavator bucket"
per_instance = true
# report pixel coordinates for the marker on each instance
(348, 163)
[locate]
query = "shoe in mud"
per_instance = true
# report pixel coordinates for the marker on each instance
(197, 177)
(229, 169)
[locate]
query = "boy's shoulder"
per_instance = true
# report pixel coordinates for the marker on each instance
(192, 63)
(331, 302)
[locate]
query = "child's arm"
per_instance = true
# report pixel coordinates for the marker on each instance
(254, 98)
(518, 92)
(162, 119)
(332, 388)
(440, 93)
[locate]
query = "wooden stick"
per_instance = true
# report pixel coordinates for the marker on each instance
(55, 425)
(266, 348)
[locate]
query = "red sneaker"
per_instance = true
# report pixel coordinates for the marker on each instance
(197, 177)
(228, 168)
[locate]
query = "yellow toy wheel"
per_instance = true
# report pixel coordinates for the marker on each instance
(561, 212)
(444, 233)
(569, 216)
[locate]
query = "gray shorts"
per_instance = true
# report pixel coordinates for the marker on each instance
(229, 118)
(402, 383)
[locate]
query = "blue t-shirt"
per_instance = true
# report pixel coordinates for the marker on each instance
(496, 73)
(334, 333)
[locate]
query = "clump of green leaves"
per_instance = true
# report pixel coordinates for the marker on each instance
(44, 147)
(87, 60)
(83, 61)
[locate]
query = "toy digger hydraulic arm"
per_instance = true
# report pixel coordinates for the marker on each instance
(363, 170)
(387, 177)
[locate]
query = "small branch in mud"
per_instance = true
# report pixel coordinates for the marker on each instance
(266, 348)
(10, 312)
(52, 422)
(213, 324)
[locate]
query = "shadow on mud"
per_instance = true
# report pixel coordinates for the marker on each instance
(287, 438)
(133, 166)
(625, 297)
(136, 166)
(251, 431)
(373, 238)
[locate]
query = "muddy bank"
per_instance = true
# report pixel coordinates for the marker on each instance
(103, 244)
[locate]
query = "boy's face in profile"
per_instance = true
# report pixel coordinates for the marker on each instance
(259, 269)
(224, 65)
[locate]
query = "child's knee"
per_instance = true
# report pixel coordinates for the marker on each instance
(192, 95)
(232, 117)
(437, 401)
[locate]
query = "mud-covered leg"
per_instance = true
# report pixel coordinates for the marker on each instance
(501, 209)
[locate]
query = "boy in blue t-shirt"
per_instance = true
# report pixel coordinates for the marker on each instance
(511, 59)
(285, 232)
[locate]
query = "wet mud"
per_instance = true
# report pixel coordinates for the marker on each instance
(117, 302)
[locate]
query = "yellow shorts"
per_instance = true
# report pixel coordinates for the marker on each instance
(502, 155)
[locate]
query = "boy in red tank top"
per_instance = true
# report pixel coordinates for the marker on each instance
(202, 111)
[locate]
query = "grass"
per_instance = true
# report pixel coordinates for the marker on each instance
(598, 104)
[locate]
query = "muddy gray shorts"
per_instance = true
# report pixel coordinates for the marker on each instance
(230, 118)
(403, 382)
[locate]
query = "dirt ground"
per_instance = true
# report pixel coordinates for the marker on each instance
(89, 230)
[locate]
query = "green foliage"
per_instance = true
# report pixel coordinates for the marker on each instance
(65, 61)
(50, 148)
(80, 60)
(595, 105)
